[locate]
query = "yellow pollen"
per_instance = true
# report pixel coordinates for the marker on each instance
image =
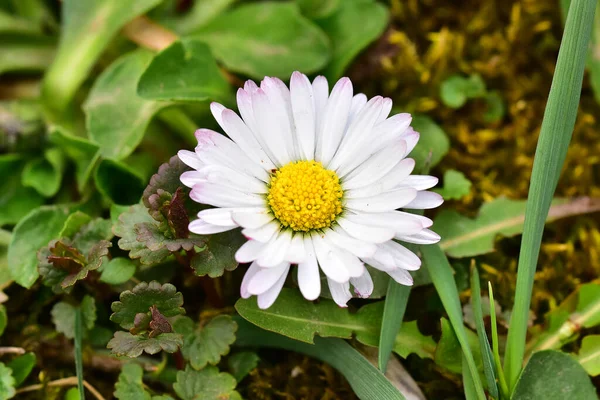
(304, 196)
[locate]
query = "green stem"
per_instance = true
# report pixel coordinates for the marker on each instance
(179, 122)
(79, 351)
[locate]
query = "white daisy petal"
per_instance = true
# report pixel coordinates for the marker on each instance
(296, 253)
(309, 278)
(426, 236)
(401, 223)
(403, 257)
(411, 138)
(249, 251)
(387, 201)
(401, 276)
(425, 201)
(330, 262)
(276, 250)
(277, 145)
(204, 228)
(352, 263)
(358, 102)
(375, 167)
(267, 299)
(321, 95)
(281, 110)
(340, 292)
(190, 159)
(420, 182)
(263, 233)
(392, 180)
(222, 196)
(357, 247)
(244, 102)
(216, 110)
(217, 216)
(363, 285)
(252, 270)
(393, 127)
(252, 219)
(265, 278)
(377, 264)
(369, 234)
(303, 110)
(225, 176)
(386, 108)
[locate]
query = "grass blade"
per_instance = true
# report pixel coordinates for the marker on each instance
(555, 135)
(484, 344)
(79, 351)
(496, 346)
(391, 322)
(468, 384)
(443, 280)
(367, 381)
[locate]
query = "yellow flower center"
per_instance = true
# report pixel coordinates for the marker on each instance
(304, 196)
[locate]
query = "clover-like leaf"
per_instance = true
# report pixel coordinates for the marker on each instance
(126, 344)
(130, 386)
(165, 298)
(207, 384)
(7, 382)
(206, 344)
(219, 254)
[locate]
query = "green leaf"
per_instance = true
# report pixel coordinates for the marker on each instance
(206, 344)
(88, 311)
(31, 233)
(126, 344)
(393, 314)
(63, 316)
(242, 363)
(25, 54)
(184, 71)
(456, 90)
(16, 200)
(495, 107)
(553, 143)
(116, 117)
(165, 297)
(553, 375)
(45, 174)
(367, 382)
(314, 9)
(433, 143)
(130, 385)
(119, 270)
(117, 182)
(84, 154)
(21, 367)
(456, 185)
(72, 394)
(347, 41)
(219, 254)
(11, 24)
(291, 315)
(3, 319)
(448, 353)
(207, 384)
(87, 28)
(7, 382)
(266, 39)
(74, 223)
(199, 14)
(466, 237)
(589, 354)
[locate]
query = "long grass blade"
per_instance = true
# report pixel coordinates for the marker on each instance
(555, 135)
(496, 345)
(79, 352)
(468, 384)
(391, 323)
(443, 280)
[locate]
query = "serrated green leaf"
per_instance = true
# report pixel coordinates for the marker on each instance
(276, 44)
(21, 367)
(207, 384)
(184, 71)
(130, 385)
(589, 354)
(433, 142)
(116, 117)
(126, 344)
(63, 316)
(91, 233)
(206, 344)
(118, 270)
(347, 41)
(31, 233)
(118, 183)
(456, 185)
(165, 297)
(219, 254)
(553, 375)
(84, 154)
(242, 363)
(44, 174)
(16, 200)
(7, 382)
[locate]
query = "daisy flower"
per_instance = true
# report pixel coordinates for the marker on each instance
(314, 179)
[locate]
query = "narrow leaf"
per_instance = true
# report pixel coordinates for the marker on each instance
(393, 313)
(79, 351)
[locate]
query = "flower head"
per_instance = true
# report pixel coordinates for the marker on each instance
(314, 179)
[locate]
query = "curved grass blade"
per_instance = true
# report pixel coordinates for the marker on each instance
(496, 346)
(393, 313)
(555, 135)
(443, 280)
(79, 351)
(468, 384)
(367, 381)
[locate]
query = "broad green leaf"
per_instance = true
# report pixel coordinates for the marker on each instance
(206, 344)
(72, 394)
(21, 367)
(207, 384)
(25, 54)
(315, 9)
(74, 223)
(589, 354)
(433, 143)
(266, 39)
(457, 89)
(291, 315)
(126, 344)
(347, 41)
(456, 185)
(118, 183)
(84, 154)
(219, 254)
(22, 126)
(87, 28)
(31, 233)
(551, 151)
(7, 382)
(448, 353)
(119, 270)
(552, 375)
(116, 117)
(63, 316)
(199, 14)
(184, 71)
(44, 174)
(466, 237)
(130, 385)
(16, 200)
(3, 319)
(240, 364)
(165, 297)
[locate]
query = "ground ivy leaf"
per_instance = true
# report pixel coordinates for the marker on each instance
(433, 143)
(116, 117)
(7, 382)
(154, 239)
(31, 233)
(118, 183)
(130, 386)
(44, 174)
(347, 41)
(63, 316)
(589, 354)
(184, 71)
(456, 185)
(206, 344)
(207, 384)
(22, 366)
(144, 295)
(126, 344)
(16, 200)
(276, 44)
(91, 233)
(118, 270)
(74, 223)
(219, 254)
(166, 178)
(84, 154)
(240, 364)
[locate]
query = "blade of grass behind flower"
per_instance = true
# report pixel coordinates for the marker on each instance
(495, 345)
(79, 351)
(391, 322)
(468, 384)
(486, 353)
(443, 280)
(555, 135)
